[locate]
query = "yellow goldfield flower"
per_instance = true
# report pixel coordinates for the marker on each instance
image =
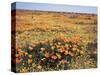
(30, 56)
(81, 52)
(58, 46)
(78, 50)
(95, 52)
(63, 61)
(39, 67)
(47, 41)
(74, 49)
(42, 49)
(71, 54)
(58, 55)
(75, 46)
(53, 48)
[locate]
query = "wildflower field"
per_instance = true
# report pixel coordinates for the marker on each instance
(52, 41)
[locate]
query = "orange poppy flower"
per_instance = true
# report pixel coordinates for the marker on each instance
(19, 49)
(75, 39)
(29, 61)
(63, 49)
(16, 61)
(26, 53)
(20, 53)
(66, 40)
(17, 55)
(66, 52)
(31, 48)
(33, 45)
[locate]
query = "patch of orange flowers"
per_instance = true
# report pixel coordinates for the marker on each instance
(60, 51)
